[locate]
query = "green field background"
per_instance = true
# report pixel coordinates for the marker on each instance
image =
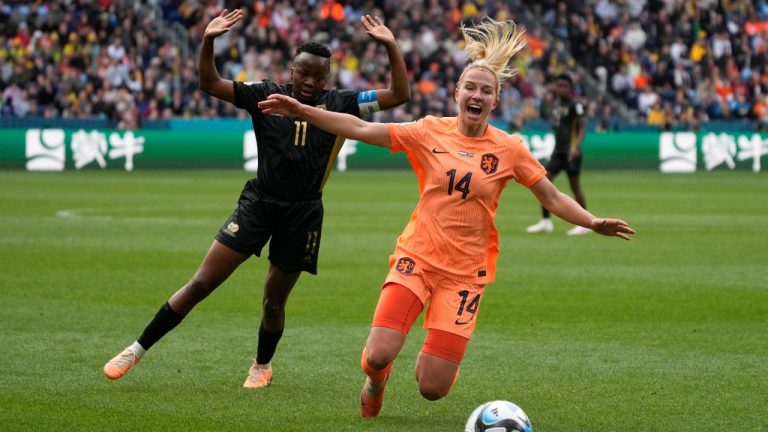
(667, 332)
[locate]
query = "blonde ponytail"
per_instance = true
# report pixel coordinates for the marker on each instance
(492, 44)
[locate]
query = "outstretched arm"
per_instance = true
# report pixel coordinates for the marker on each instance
(337, 123)
(569, 210)
(399, 91)
(210, 81)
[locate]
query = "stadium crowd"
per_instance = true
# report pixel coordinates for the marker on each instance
(678, 63)
(674, 63)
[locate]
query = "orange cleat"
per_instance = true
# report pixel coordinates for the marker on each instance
(258, 376)
(121, 364)
(370, 402)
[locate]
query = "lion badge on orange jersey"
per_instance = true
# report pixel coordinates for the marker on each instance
(405, 265)
(489, 163)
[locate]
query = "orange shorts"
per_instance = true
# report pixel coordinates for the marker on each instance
(453, 305)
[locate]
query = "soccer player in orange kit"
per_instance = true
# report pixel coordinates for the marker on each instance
(447, 253)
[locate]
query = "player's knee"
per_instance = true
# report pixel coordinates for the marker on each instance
(378, 358)
(433, 391)
(272, 309)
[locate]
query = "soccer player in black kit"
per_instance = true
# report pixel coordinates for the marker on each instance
(284, 201)
(569, 125)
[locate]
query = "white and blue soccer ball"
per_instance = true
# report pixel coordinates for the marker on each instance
(498, 416)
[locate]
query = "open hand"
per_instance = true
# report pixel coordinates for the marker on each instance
(377, 30)
(222, 23)
(281, 104)
(612, 227)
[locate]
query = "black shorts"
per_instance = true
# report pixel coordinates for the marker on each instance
(294, 228)
(559, 162)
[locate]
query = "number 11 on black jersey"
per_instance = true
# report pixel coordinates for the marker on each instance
(301, 129)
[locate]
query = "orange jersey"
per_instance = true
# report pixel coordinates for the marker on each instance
(452, 229)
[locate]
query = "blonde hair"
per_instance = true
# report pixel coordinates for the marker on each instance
(491, 45)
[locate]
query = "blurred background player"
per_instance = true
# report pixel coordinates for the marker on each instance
(282, 204)
(447, 253)
(568, 123)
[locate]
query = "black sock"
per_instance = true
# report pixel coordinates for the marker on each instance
(267, 344)
(164, 321)
(545, 213)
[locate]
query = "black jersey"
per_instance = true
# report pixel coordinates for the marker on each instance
(564, 121)
(294, 157)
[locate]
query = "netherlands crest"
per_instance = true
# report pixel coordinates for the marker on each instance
(489, 163)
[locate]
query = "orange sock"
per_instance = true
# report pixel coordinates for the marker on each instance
(375, 375)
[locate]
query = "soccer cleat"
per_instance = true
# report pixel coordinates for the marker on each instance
(370, 406)
(258, 376)
(543, 226)
(578, 230)
(121, 364)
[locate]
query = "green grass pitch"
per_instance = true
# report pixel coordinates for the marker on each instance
(667, 332)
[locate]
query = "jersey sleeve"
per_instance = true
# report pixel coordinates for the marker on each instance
(404, 136)
(527, 170)
(248, 95)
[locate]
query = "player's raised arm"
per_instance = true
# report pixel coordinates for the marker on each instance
(399, 90)
(210, 81)
(569, 210)
(334, 122)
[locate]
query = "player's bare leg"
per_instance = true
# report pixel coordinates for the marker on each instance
(219, 263)
(578, 195)
(217, 266)
(382, 347)
(435, 376)
(277, 288)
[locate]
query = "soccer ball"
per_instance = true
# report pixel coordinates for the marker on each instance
(498, 416)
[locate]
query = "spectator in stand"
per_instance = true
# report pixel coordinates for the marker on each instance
(656, 115)
(689, 45)
(98, 43)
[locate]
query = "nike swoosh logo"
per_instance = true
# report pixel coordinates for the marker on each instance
(436, 151)
(462, 323)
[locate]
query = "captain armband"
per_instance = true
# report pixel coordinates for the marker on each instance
(367, 102)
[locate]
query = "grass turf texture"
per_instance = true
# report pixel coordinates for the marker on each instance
(663, 333)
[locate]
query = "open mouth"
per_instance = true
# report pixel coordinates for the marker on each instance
(307, 94)
(474, 109)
